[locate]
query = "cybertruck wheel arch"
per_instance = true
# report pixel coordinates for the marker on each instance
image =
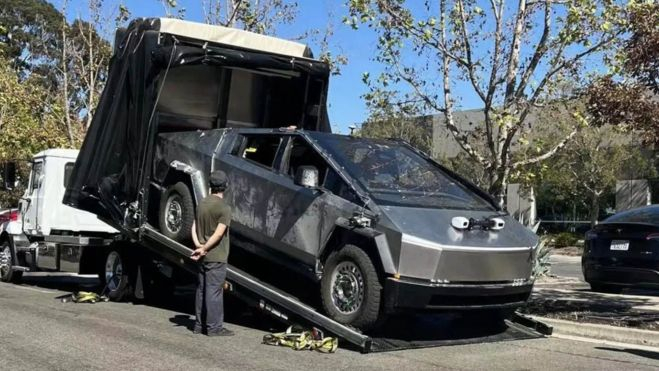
(179, 171)
(373, 242)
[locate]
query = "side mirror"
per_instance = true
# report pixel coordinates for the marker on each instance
(9, 175)
(306, 176)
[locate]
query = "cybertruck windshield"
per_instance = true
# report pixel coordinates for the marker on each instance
(395, 175)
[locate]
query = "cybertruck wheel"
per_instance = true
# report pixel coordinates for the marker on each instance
(176, 212)
(350, 288)
(7, 274)
(608, 289)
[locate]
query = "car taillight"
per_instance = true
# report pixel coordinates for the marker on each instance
(652, 236)
(13, 216)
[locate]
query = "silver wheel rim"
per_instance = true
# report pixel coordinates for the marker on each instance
(114, 271)
(347, 287)
(173, 214)
(5, 260)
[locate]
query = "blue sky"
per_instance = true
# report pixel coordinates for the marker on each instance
(345, 105)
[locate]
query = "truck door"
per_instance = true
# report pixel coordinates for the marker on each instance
(33, 196)
(303, 217)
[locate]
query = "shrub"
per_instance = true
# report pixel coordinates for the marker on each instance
(565, 239)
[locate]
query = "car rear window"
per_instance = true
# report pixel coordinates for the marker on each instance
(647, 215)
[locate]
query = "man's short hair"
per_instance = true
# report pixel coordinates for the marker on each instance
(218, 181)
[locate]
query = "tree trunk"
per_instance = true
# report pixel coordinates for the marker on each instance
(594, 208)
(65, 82)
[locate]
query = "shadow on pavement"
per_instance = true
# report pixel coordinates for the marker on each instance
(550, 301)
(638, 352)
(403, 331)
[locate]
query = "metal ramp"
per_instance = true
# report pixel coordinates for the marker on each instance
(290, 309)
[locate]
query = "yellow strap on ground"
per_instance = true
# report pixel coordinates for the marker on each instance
(302, 340)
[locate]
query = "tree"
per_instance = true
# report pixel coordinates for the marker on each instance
(589, 167)
(628, 96)
(511, 67)
(27, 126)
(29, 34)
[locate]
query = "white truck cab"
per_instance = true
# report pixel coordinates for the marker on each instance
(48, 235)
(41, 209)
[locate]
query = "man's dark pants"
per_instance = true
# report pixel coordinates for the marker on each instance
(210, 302)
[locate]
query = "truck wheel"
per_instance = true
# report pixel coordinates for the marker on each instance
(6, 262)
(176, 212)
(350, 288)
(116, 276)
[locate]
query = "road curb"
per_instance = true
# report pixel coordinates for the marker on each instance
(602, 332)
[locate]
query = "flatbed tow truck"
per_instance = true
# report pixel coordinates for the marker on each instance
(290, 310)
(160, 82)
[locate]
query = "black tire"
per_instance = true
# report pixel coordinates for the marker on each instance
(176, 212)
(157, 288)
(604, 288)
(349, 264)
(7, 274)
(116, 275)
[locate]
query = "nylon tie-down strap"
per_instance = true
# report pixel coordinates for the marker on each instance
(302, 340)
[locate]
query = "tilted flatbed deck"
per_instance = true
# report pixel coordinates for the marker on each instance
(289, 308)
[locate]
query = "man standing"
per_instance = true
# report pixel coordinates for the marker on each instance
(210, 234)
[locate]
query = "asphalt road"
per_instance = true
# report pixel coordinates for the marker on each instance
(566, 266)
(38, 331)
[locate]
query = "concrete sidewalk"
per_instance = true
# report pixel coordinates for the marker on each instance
(582, 297)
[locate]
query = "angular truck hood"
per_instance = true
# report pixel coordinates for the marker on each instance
(428, 227)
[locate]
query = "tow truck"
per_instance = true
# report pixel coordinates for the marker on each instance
(47, 235)
(110, 177)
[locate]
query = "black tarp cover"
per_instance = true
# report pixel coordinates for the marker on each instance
(111, 171)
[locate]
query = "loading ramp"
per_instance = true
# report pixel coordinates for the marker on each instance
(291, 310)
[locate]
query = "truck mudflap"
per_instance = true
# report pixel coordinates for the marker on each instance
(410, 332)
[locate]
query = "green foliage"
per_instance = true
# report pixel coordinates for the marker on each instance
(565, 239)
(29, 34)
(27, 126)
(542, 265)
(583, 176)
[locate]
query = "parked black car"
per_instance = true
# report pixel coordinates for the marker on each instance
(623, 251)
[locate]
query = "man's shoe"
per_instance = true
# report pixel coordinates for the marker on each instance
(196, 330)
(221, 332)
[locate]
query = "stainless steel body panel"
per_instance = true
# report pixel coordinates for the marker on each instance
(297, 222)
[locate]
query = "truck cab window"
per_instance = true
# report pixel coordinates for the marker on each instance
(68, 168)
(37, 169)
(261, 149)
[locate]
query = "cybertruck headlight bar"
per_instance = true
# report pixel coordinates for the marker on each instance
(491, 224)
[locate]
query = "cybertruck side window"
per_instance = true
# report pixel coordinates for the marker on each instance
(302, 154)
(260, 149)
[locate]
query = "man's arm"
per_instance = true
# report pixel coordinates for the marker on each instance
(215, 238)
(195, 238)
(199, 251)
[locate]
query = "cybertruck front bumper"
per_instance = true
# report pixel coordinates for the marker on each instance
(403, 294)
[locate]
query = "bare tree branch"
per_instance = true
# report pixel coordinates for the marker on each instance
(467, 46)
(547, 154)
(513, 61)
(540, 50)
(448, 102)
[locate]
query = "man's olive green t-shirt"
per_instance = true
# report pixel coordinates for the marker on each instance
(212, 211)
